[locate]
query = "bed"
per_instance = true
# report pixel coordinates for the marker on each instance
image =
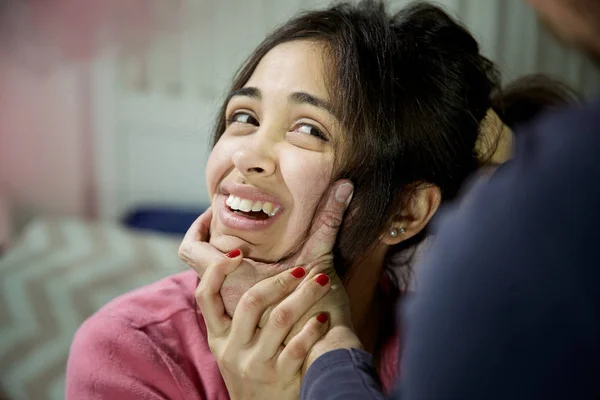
(55, 275)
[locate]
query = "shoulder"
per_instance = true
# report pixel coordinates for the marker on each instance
(136, 313)
(134, 341)
(567, 139)
(553, 171)
(536, 217)
(152, 303)
(519, 264)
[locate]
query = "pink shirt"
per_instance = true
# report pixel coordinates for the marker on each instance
(147, 344)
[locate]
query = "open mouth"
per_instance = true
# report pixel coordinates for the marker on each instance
(255, 210)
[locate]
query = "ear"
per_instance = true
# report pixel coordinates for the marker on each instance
(415, 214)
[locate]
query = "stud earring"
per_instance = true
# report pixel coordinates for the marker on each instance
(394, 232)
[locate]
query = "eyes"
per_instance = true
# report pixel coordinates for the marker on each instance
(242, 118)
(245, 118)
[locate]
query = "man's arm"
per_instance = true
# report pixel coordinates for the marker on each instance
(342, 374)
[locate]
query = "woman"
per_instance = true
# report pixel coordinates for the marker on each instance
(393, 104)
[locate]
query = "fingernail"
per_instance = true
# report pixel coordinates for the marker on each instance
(322, 279)
(298, 272)
(322, 318)
(343, 194)
(233, 253)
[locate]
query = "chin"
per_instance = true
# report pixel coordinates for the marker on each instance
(226, 243)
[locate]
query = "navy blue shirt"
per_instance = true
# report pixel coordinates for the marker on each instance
(508, 300)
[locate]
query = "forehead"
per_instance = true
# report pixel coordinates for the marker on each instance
(296, 66)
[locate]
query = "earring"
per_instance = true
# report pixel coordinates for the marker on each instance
(394, 232)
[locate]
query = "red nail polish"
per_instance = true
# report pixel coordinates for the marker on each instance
(322, 318)
(322, 279)
(298, 272)
(233, 253)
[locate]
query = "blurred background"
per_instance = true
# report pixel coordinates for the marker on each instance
(106, 110)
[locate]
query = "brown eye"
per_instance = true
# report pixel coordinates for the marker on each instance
(243, 118)
(311, 130)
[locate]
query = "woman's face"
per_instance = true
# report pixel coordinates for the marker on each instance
(274, 161)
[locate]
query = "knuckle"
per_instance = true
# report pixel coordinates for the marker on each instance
(185, 250)
(227, 360)
(282, 317)
(200, 295)
(298, 351)
(281, 283)
(212, 345)
(313, 333)
(330, 219)
(251, 301)
(199, 292)
(248, 371)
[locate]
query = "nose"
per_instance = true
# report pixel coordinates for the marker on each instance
(255, 159)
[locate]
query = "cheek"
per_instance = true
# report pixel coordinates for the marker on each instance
(219, 163)
(307, 176)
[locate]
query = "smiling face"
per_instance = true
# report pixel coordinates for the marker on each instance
(273, 162)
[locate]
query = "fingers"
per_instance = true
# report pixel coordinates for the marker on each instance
(208, 294)
(327, 223)
(194, 249)
(258, 298)
(289, 312)
(199, 230)
(292, 356)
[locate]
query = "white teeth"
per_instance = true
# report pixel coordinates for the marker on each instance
(257, 206)
(245, 205)
(237, 203)
(267, 208)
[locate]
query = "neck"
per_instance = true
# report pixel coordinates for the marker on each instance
(361, 286)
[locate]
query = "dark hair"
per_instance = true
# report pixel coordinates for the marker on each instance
(411, 90)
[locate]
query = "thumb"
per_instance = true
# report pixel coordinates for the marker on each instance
(200, 228)
(327, 222)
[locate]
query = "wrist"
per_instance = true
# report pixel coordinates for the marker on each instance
(338, 337)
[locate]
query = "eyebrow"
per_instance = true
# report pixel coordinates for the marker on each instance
(296, 97)
(305, 98)
(246, 92)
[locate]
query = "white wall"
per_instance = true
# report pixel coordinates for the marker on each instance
(154, 110)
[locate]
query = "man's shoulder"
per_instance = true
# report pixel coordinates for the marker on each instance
(556, 155)
(586, 115)
(561, 134)
(543, 204)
